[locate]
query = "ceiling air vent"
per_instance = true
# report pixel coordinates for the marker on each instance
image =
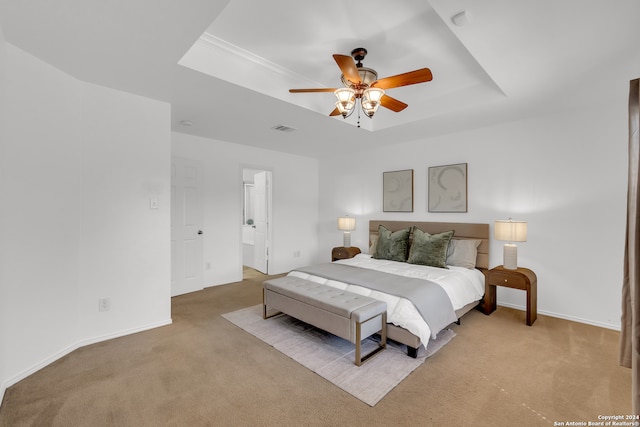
(283, 128)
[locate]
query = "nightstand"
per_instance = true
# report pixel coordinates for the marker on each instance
(343, 253)
(520, 278)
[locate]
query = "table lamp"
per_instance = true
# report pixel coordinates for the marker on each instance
(347, 224)
(510, 231)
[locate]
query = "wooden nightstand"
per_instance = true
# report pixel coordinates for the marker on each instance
(343, 253)
(521, 278)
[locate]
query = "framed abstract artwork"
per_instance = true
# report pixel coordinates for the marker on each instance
(448, 188)
(397, 191)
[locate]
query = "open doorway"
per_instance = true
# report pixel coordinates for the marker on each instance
(256, 212)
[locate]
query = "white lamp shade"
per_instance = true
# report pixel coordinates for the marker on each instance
(510, 231)
(346, 223)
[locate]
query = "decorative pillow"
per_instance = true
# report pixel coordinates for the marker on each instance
(463, 252)
(373, 243)
(392, 246)
(430, 249)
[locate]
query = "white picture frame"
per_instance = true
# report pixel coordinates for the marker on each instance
(397, 191)
(447, 188)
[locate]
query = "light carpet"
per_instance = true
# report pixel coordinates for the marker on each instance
(332, 357)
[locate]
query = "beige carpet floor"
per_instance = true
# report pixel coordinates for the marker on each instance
(332, 357)
(204, 371)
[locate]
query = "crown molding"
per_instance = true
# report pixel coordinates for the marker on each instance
(214, 42)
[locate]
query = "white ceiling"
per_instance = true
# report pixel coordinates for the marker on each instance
(226, 66)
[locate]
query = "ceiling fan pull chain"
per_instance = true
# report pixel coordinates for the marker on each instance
(358, 118)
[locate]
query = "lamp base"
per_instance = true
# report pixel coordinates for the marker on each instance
(510, 256)
(347, 239)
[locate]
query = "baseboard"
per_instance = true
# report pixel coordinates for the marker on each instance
(35, 368)
(3, 387)
(564, 316)
(123, 333)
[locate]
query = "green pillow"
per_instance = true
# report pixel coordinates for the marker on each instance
(392, 246)
(430, 249)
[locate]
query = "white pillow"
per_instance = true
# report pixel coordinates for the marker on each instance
(373, 242)
(463, 252)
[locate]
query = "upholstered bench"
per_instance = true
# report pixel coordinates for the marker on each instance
(345, 314)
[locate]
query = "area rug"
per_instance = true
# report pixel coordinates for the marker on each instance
(332, 357)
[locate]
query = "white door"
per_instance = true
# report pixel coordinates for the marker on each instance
(261, 221)
(186, 226)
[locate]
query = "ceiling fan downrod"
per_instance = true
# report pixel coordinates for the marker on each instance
(359, 54)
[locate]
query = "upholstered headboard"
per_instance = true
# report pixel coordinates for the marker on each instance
(462, 231)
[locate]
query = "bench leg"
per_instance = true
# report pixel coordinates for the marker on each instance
(381, 346)
(267, 312)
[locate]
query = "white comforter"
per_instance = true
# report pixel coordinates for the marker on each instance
(463, 286)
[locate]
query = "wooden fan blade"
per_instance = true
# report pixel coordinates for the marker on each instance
(412, 77)
(335, 112)
(348, 68)
(326, 89)
(392, 103)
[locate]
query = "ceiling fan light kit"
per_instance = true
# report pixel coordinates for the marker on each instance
(361, 84)
(369, 100)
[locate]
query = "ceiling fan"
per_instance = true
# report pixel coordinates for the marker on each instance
(361, 83)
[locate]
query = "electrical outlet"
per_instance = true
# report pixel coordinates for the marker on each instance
(207, 266)
(296, 254)
(104, 304)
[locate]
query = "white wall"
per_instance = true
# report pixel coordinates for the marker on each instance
(41, 208)
(564, 174)
(125, 246)
(5, 330)
(294, 212)
(78, 163)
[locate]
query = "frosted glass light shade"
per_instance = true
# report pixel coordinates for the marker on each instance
(373, 95)
(346, 100)
(345, 109)
(371, 100)
(345, 94)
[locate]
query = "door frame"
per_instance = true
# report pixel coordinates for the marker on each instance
(269, 213)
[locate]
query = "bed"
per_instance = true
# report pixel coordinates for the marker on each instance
(460, 275)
